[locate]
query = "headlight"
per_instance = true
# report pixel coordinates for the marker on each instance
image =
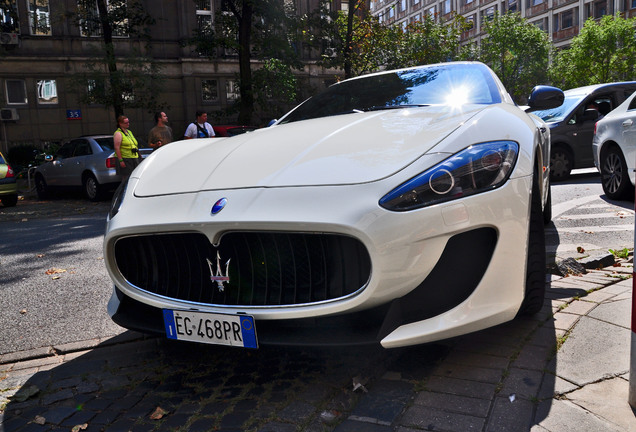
(118, 199)
(478, 168)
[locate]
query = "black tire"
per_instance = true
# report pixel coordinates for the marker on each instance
(9, 200)
(536, 261)
(92, 188)
(41, 188)
(547, 209)
(561, 163)
(615, 175)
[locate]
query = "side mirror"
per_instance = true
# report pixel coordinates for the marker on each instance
(545, 97)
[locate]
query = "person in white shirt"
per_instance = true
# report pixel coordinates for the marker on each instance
(201, 128)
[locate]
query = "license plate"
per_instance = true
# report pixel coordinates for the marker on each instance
(210, 328)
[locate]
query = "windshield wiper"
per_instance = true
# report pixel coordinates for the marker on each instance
(388, 107)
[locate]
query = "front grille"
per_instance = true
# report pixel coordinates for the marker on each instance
(265, 269)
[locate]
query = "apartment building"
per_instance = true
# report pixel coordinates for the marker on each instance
(41, 49)
(560, 19)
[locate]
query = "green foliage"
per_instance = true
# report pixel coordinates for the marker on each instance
(275, 88)
(425, 42)
(604, 51)
(133, 81)
(623, 253)
(517, 51)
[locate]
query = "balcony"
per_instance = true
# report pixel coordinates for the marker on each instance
(536, 10)
(564, 34)
(468, 7)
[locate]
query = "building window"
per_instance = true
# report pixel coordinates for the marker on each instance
(512, 6)
(90, 24)
(600, 9)
(39, 17)
(487, 14)
(46, 91)
(344, 6)
(231, 90)
(447, 7)
(209, 91)
(632, 4)
(96, 91)
(541, 24)
(567, 20)
(15, 91)
(431, 12)
(468, 2)
(205, 16)
(536, 2)
(9, 19)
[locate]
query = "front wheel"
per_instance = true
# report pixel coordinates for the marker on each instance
(614, 174)
(535, 260)
(92, 188)
(41, 187)
(560, 164)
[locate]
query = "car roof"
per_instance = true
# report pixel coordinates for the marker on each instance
(592, 88)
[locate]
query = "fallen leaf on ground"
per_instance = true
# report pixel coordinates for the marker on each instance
(78, 428)
(39, 420)
(54, 271)
(158, 413)
(23, 311)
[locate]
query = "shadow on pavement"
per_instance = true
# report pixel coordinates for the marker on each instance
(495, 377)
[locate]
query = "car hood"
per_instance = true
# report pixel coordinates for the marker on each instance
(345, 149)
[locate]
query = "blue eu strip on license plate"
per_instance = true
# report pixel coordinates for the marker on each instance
(210, 328)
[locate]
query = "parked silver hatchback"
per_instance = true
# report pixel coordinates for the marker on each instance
(88, 162)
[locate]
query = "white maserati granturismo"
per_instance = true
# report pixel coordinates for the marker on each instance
(396, 208)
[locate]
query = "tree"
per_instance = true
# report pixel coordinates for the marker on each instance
(252, 29)
(604, 51)
(120, 82)
(275, 88)
(517, 51)
(425, 42)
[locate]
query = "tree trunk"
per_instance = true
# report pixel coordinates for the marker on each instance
(113, 79)
(245, 67)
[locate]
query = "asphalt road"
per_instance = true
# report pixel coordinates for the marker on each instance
(54, 284)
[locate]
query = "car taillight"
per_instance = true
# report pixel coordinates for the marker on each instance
(111, 162)
(595, 126)
(9, 172)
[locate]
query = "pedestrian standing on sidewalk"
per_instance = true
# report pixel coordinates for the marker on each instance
(201, 128)
(161, 134)
(126, 148)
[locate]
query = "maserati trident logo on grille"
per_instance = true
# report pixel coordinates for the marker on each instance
(219, 277)
(218, 206)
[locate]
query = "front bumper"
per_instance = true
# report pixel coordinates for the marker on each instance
(437, 272)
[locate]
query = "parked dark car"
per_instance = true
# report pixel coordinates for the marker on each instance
(572, 124)
(88, 162)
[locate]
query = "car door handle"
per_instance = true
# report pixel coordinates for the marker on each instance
(628, 123)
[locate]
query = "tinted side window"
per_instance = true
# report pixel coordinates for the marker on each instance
(632, 104)
(82, 148)
(65, 151)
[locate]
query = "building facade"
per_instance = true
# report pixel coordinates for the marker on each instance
(560, 19)
(41, 49)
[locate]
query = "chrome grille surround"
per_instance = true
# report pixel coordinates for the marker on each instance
(266, 269)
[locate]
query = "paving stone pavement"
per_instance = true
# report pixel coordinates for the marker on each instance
(564, 369)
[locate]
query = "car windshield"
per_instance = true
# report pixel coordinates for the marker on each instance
(561, 112)
(452, 84)
(106, 144)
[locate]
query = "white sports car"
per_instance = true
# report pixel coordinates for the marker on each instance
(396, 208)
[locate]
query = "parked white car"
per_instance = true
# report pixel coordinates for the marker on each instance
(614, 148)
(395, 208)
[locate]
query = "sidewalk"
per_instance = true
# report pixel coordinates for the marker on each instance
(507, 378)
